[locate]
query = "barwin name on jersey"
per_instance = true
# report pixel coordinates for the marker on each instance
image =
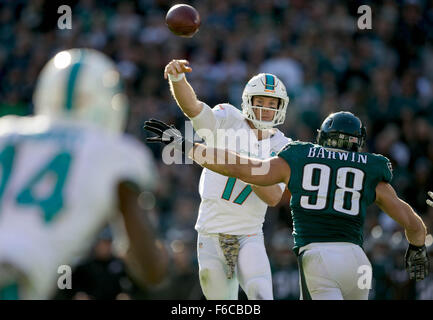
(325, 153)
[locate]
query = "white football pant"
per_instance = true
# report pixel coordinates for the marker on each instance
(253, 271)
(334, 271)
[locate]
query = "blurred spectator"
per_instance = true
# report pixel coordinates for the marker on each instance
(285, 273)
(102, 277)
(182, 282)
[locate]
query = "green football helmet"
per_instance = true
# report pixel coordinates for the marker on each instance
(342, 130)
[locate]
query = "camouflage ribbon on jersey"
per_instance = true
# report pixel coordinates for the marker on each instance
(230, 246)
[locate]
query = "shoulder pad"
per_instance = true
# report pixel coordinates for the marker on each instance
(229, 110)
(385, 167)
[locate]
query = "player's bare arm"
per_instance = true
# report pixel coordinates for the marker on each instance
(146, 259)
(266, 172)
(181, 90)
(400, 211)
(271, 195)
(228, 163)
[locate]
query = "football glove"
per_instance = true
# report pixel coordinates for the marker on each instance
(417, 262)
(166, 134)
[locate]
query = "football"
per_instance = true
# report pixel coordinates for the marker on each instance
(183, 20)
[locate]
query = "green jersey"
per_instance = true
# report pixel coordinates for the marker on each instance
(331, 190)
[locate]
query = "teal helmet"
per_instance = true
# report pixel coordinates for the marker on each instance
(342, 130)
(84, 85)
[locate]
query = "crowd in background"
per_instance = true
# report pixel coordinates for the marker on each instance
(384, 75)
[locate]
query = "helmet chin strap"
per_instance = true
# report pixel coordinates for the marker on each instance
(259, 126)
(261, 133)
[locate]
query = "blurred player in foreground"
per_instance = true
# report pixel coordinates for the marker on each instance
(66, 173)
(230, 246)
(332, 183)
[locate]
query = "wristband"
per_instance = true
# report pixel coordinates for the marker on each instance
(413, 247)
(177, 78)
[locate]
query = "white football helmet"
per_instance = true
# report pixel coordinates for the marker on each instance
(265, 84)
(82, 84)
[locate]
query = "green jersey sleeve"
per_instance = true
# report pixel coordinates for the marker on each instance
(289, 151)
(385, 168)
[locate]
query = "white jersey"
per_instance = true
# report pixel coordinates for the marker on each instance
(229, 205)
(58, 188)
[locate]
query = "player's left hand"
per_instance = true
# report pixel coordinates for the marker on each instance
(417, 262)
(166, 134)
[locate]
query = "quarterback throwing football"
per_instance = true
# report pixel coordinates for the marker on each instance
(230, 247)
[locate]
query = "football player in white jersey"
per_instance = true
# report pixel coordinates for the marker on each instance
(68, 171)
(230, 246)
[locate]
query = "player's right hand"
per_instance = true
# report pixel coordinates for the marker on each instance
(430, 202)
(175, 67)
(167, 134)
